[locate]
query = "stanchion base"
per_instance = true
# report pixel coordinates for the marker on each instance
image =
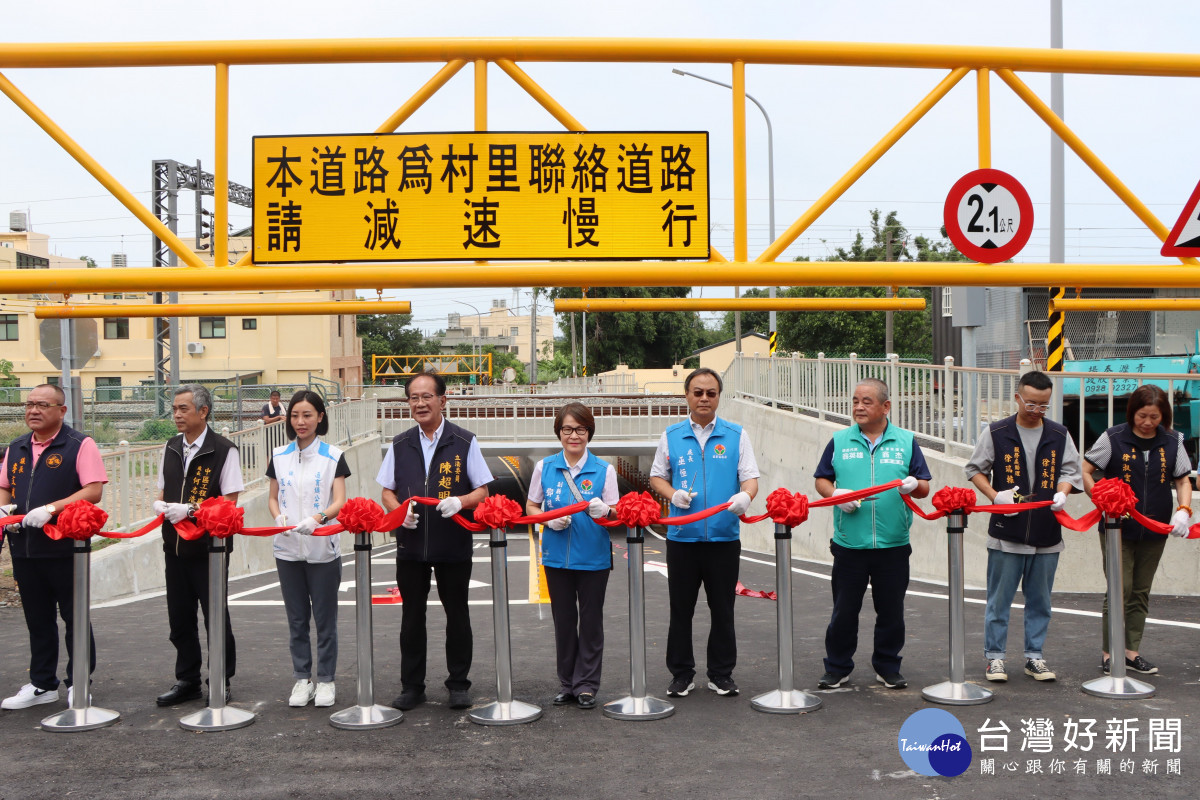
(957, 694)
(226, 718)
(511, 713)
(1118, 688)
(638, 708)
(80, 719)
(792, 702)
(360, 718)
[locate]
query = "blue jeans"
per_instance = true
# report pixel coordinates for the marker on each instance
(1035, 573)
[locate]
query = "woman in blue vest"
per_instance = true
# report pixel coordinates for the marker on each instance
(308, 488)
(1148, 455)
(576, 552)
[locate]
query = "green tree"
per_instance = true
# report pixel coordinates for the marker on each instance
(656, 339)
(501, 360)
(389, 335)
(91, 262)
(940, 250)
(7, 378)
(553, 367)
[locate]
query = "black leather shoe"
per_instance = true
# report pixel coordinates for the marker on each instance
(179, 693)
(460, 698)
(587, 700)
(564, 699)
(409, 699)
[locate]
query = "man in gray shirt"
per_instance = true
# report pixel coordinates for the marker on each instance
(1023, 457)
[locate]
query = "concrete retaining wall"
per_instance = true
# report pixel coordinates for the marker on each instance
(788, 446)
(133, 566)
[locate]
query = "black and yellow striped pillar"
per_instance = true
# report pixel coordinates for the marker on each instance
(1055, 342)
(774, 341)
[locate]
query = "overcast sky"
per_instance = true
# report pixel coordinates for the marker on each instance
(824, 119)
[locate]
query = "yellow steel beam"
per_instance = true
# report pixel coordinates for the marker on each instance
(539, 94)
(564, 305)
(1087, 156)
(481, 105)
(846, 181)
(984, 102)
(420, 275)
(100, 173)
(651, 50)
(223, 309)
(1126, 304)
(424, 93)
(220, 228)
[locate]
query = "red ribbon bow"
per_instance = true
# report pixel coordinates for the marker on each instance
(360, 515)
(637, 510)
(1114, 498)
(786, 508)
(80, 520)
(949, 499)
(497, 511)
(220, 517)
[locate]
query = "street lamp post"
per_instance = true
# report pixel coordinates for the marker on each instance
(770, 195)
(475, 345)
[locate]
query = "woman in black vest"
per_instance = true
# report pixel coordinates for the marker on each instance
(1149, 455)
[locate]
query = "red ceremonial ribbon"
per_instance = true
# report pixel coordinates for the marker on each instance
(744, 592)
(80, 520)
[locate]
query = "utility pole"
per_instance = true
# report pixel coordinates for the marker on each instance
(574, 372)
(533, 353)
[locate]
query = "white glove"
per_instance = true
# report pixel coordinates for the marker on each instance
(449, 507)
(559, 523)
(7, 510)
(410, 518)
(850, 507)
(682, 499)
(907, 485)
(739, 504)
(1060, 501)
(281, 520)
(1005, 498)
(1181, 523)
(306, 526)
(36, 518)
(597, 508)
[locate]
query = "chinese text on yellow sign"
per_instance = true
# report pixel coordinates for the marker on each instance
(474, 196)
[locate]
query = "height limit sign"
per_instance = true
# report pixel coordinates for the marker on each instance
(988, 216)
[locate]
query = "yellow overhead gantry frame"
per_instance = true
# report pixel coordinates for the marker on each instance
(454, 54)
(224, 309)
(563, 305)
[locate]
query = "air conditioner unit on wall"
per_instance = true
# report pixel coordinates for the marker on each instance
(195, 348)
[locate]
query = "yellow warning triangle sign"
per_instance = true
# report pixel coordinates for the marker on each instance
(1184, 238)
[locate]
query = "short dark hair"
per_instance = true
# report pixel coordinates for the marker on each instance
(438, 380)
(1148, 395)
(313, 399)
(274, 393)
(580, 412)
(1036, 380)
(687, 382)
(58, 392)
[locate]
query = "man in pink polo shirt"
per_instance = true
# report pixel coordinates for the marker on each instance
(44, 471)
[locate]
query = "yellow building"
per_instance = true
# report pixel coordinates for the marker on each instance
(219, 349)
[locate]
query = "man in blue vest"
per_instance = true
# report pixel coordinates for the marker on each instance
(701, 462)
(44, 471)
(434, 458)
(870, 538)
(1023, 457)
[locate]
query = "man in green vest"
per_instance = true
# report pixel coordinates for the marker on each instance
(870, 539)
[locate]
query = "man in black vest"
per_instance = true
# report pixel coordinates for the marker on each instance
(196, 465)
(438, 459)
(1023, 457)
(45, 470)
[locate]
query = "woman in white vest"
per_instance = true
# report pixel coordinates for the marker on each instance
(308, 489)
(576, 552)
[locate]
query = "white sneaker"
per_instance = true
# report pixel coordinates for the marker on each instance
(302, 692)
(326, 694)
(28, 696)
(71, 697)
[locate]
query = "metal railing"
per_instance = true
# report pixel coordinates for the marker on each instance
(133, 470)
(945, 405)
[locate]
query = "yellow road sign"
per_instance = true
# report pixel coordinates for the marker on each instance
(473, 196)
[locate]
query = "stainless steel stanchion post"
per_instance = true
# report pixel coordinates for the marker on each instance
(82, 715)
(638, 705)
(367, 714)
(956, 691)
(1116, 684)
(218, 716)
(785, 699)
(505, 711)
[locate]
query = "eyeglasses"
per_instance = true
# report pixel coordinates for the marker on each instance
(711, 394)
(422, 398)
(1032, 407)
(565, 431)
(41, 406)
